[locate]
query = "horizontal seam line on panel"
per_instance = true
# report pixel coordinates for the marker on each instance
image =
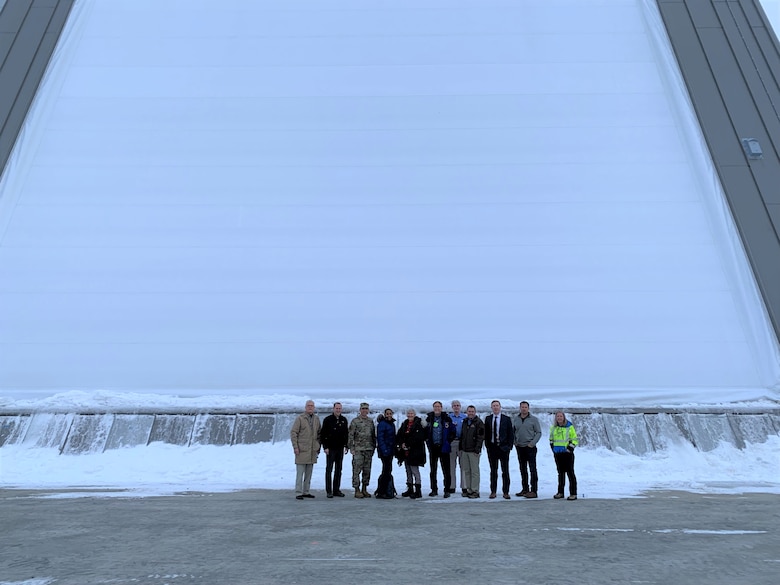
(337, 65)
(366, 166)
(64, 95)
(360, 292)
(298, 130)
(444, 204)
(383, 342)
(177, 131)
(246, 98)
(258, 206)
(652, 245)
(639, 34)
(610, 164)
(402, 9)
(207, 154)
(360, 246)
(367, 65)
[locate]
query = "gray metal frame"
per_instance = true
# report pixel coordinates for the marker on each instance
(729, 57)
(29, 30)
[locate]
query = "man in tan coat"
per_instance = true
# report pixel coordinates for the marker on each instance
(305, 437)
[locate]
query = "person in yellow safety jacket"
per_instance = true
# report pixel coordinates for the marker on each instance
(563, 440)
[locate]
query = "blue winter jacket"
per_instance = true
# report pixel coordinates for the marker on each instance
(447, 431)
(385, 436)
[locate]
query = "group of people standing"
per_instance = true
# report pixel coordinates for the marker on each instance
(451, 440)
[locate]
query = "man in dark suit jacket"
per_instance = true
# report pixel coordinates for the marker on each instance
(499, 439)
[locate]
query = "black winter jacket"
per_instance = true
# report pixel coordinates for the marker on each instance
(334, 432)
(410, 443)
(472, 435)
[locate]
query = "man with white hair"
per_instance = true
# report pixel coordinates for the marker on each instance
(305, 437)
(455, 450)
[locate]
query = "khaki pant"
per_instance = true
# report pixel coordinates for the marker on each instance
(303, 478)
(470, 466)
(456, 460)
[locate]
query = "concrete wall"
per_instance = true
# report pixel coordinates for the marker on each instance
(634, 433)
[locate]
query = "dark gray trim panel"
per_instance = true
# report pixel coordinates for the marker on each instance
(730, 60)
(29, 30)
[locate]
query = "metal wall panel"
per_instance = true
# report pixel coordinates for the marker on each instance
(730, 61)
(29, 30)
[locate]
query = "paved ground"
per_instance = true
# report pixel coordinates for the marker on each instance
(259, 537)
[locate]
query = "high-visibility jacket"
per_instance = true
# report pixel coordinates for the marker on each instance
(562, 437)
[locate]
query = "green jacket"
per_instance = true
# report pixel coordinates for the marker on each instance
(562, 437)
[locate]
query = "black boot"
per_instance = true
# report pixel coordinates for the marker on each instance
(409, 491)
(417, 491)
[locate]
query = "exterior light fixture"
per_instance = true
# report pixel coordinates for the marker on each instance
(752, 148)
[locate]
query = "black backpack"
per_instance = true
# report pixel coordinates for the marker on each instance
(386, 492)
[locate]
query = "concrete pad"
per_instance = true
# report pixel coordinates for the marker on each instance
(707, 431)
(130, 430)
(175, 429)
(753, 428)
(776, 422)
(213, 429)
(665, 431)
(254, 428)
(48, 430)
(13, 428)
(267, 537)
(590, 430)
(545, 421)
(628, 432)
(88, 433)
(284, 423)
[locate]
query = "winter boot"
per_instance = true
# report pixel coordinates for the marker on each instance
(409, 491)
(417, 491)
(365, 491)
(358, 493)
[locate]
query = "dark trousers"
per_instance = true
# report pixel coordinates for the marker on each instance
(333, 462)
(495, 456)
(526, 457)
(436, 456)
(565, 464)
(387, 473)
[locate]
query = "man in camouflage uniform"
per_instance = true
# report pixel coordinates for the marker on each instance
(361, 443)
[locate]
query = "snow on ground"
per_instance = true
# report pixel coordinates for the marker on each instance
(160, 469)
(164, 469)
